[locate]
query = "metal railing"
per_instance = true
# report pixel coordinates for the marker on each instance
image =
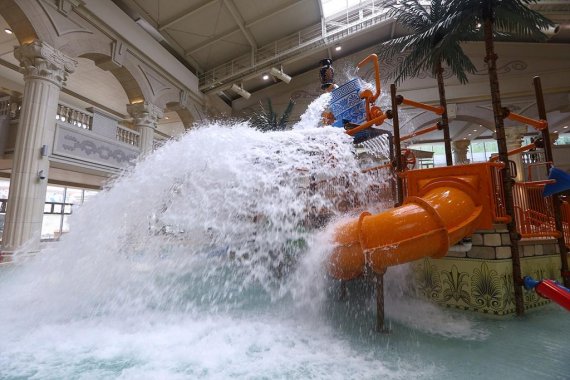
(534, 213)
(565, 213)
(329, 32)
(498, 194)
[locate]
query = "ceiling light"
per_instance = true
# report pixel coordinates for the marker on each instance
(240, 91)
(469, 134)
(166, 117)
(474, 130)
(565, 127)
(265, 77)
(279, 74)
(8, 31)
(338, 48)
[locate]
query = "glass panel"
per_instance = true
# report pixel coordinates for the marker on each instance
(74, 196)
(65, 226)
(4, 187)
(54, 194)
(50, 226)
(89, 194)
(57, 209)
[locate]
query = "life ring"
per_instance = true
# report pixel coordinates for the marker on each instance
(408, 159)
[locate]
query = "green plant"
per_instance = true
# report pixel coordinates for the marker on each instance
(266, 119)
(433, 42)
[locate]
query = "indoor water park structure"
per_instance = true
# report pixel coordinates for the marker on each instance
(190, 190)
(442, 206)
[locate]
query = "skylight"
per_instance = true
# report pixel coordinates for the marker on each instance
(331, 7)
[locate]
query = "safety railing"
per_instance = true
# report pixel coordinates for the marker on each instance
(534, 213)
(5, 106)
(382, 187)
(333, 29)
(498, 194)
(10, 108)
(127, 135)
(565, 216)
(74, 116)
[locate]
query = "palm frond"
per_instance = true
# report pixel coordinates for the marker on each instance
(266, 119)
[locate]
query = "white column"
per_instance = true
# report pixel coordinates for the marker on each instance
(146, 116)
(514, 136)
(460, 148)
(45, 70)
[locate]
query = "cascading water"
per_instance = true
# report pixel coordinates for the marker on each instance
(206, 261)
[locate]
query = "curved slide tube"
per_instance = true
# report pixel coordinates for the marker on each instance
(446, 210)
(549, 289)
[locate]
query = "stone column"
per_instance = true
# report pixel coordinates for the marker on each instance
(460, 148)
(45, 70)
(514, 136)
(146, 116)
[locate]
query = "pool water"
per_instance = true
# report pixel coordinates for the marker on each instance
(213, 269)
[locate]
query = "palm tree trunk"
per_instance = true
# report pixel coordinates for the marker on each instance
(444, 118)
(491, 60)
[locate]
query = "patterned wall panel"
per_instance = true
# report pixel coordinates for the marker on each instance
(484, 286)
(70, 142)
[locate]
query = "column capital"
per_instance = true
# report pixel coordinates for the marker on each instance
(461, 144)
(514, 135)
(460, 148)
(42, 61)
(145, 114)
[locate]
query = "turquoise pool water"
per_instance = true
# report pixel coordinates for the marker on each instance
(213, 269)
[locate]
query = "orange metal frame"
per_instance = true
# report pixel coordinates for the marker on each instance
(538, 124)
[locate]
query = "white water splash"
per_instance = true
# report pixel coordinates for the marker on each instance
(204, 261)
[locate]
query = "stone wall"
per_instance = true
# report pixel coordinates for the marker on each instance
(480, 279)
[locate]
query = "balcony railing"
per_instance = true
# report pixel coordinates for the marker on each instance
(128, 136)
(334, 29)
(74, 116)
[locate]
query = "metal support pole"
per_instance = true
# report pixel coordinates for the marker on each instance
(379, 280)
(555, 198)
(491, 61)
(398, 150)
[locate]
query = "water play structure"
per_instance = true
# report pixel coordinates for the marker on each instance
(441, 205)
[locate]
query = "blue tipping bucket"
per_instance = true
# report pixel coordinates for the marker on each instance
(346, 104)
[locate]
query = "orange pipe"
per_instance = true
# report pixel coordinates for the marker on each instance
(425, 226)
(389, 165)
(374, 59)
(516, 151)
(420, 132)
(438, 110)
(376, 121)
(538, 124)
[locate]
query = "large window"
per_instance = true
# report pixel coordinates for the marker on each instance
(479, 151)
(57, 208)
(331, 7)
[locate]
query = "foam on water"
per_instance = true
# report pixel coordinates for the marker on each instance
(206, 260)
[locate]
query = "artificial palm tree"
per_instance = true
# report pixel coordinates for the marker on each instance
(508, 19)
(266, 120)
(433, 42)
(511, 18)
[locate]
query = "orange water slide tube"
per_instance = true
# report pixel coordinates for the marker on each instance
(444, 210)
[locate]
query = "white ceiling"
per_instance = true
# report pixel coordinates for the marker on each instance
(236, 41)
(210, 35)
